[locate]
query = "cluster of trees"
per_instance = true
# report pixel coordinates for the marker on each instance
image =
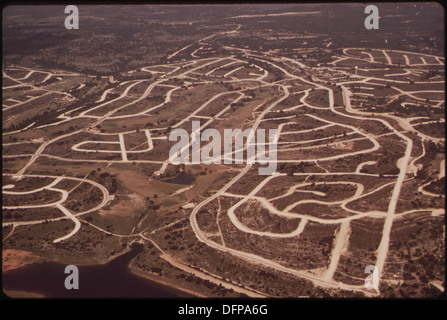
(151, 204)
(437, 186)
(47, 116)
(106, 179)
(291, 168)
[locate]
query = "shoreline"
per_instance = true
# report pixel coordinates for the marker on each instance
(61, 258)
(141, 274)
(18, 294)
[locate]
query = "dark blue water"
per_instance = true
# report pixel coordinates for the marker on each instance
(110, 280)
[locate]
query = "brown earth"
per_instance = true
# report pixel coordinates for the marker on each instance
(15, 259)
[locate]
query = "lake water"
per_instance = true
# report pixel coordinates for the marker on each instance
(110, 280)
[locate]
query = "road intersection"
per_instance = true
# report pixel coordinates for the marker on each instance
(202, 71)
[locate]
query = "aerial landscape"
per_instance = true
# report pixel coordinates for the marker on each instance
(359, 161)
